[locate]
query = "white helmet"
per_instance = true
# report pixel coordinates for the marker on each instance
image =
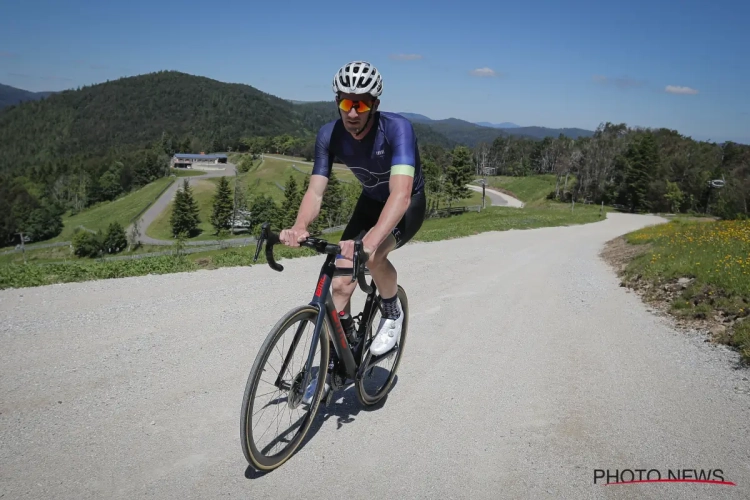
(358, 77)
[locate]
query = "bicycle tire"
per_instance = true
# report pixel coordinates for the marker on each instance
(364, 398)
(253, 456)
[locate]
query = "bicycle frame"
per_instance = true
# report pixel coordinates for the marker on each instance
(322, 300)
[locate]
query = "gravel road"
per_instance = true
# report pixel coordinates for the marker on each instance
(496, 198)
(527, 368)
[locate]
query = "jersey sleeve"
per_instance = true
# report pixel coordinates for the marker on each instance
(404, 144)
(323, 160)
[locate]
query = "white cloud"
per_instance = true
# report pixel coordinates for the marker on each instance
(675, 89)
(405, 57)
(483, 72)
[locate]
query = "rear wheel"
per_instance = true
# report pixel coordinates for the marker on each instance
(377, 378)
(289, 347)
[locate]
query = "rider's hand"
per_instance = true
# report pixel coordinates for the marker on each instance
(294, 236)
(347, 249)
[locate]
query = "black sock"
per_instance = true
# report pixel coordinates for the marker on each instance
(390, 308)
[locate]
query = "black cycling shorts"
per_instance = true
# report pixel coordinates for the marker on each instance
(367, 212)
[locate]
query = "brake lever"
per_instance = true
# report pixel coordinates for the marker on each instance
(355, 260)
(358, 269)
(262, 236)
(271, 240)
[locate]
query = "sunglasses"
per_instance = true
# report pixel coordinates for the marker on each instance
(347, 104)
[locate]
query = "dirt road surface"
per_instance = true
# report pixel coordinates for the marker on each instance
(527, 368)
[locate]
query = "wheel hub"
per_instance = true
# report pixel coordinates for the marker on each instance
(294, 396)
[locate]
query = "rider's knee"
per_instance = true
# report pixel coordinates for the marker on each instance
(341, 285)
(378, 258)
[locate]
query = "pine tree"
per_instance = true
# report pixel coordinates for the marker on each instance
(458, 175)
(223, 206)
(177, 219)
(184, 217)
(290, 205)
(642, 160)
(263, 209)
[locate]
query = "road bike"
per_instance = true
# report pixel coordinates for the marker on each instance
(352, 361)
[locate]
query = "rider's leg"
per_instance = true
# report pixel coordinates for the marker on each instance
(364, 217)
(382, 270)
(385, 276)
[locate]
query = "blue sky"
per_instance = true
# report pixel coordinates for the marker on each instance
(682, 65)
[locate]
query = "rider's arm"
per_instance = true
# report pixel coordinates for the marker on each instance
(311, 202)
(323, 161)
(404, 145)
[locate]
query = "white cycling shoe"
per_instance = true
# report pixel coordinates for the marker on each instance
(389, 332)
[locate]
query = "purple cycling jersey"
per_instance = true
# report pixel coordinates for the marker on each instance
(389, 148)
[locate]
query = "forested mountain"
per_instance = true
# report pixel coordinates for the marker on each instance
(472, 134)
(10, 96)
(79, 147)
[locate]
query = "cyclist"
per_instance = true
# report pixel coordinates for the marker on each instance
(380, 149)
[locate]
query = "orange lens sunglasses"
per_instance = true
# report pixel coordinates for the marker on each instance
(347, 104)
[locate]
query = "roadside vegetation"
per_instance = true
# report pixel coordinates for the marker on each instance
(121, 210)
(490, 219)
(698, 271)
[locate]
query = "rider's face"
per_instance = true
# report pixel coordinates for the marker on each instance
(356, 116)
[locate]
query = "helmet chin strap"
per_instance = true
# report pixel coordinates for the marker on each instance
(366, 123)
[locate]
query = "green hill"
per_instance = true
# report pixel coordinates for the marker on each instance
(81, 147)
(10, 96)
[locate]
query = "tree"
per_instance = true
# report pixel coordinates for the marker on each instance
(223, 206)
(459, 174)
(290, 205)
(333, 201)
(642, 158)
(433, 183)
(115, 241)
(263, 209)
(184, 219)
(674, 196)
(86, 243)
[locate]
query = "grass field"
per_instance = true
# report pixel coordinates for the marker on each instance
(491, 219)
(715, 256)
(532, 189)
(203, 191)
(121, 210)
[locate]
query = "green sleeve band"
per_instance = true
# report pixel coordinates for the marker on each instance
(402, 170)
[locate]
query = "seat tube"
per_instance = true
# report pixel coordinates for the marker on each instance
(340, 343)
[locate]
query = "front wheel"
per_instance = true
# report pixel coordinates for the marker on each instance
(376, 379)
(284, 386)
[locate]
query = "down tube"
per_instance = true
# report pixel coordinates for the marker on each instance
(314, 344)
